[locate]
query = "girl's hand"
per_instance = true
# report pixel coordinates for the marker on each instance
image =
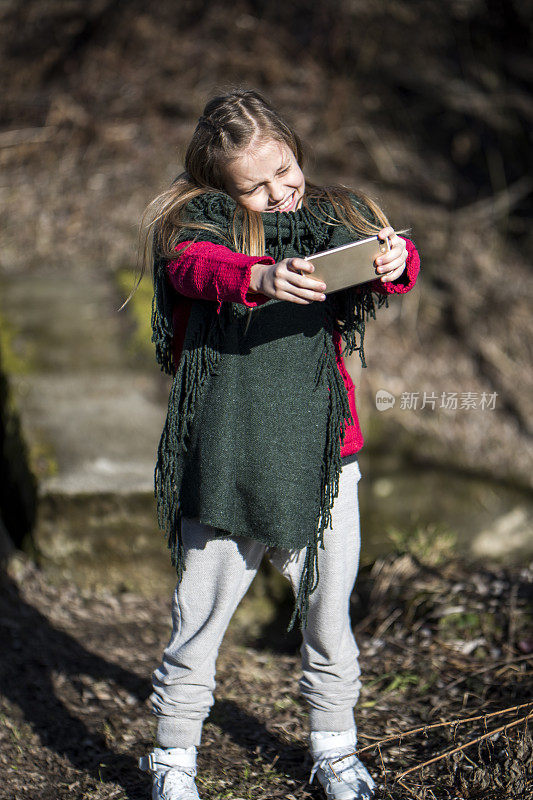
(390, 265)
(283, 281)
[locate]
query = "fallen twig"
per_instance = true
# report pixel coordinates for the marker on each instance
(464, 746)
(448, 723)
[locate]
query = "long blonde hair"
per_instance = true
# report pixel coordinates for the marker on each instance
(228, 124)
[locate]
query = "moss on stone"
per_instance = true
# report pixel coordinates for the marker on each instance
(139, 309)
(12, 362)
(42, 459)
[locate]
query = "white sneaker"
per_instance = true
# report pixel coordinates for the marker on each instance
(173, 772)
(338, 769)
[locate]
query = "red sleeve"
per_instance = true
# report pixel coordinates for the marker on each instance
(214, 272)
(405, 282)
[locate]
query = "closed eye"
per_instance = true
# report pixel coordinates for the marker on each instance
(281, 171)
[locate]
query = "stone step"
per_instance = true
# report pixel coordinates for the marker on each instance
(91, 406)
(91, 410)
(91, 432)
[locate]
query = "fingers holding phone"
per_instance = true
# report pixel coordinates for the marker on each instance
(290, 279)
(391, 264)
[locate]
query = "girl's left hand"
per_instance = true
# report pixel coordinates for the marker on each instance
(391, 264)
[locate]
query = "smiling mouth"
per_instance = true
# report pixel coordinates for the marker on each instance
(286, 203)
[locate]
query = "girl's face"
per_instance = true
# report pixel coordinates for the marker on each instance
(265, 177)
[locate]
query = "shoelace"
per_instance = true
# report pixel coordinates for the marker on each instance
(344, 772)
(178, 778)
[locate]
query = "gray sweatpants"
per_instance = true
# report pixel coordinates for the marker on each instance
(217, 575)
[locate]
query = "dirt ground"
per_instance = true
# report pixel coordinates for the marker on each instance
(439, 642)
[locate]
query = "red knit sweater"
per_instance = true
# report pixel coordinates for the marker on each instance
(214, 272)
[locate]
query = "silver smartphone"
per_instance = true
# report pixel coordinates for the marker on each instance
(348, 265)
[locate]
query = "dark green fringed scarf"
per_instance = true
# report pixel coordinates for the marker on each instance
(251, 442)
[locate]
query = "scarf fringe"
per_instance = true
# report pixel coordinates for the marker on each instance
(161, 319)
(339, 414)
(354, 307)
(199, 360)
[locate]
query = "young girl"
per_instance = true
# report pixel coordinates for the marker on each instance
(258, 452)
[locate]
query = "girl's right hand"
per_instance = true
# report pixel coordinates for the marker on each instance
(283, 281)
